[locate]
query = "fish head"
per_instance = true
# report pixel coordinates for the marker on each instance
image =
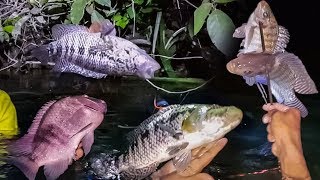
(251, 64)
(208, 123)
(263, 13)
(146, 65)
(91, 103)
(212, 118)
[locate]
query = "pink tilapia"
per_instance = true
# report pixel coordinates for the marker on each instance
(287, 75)
(276, 37)
(55, 134)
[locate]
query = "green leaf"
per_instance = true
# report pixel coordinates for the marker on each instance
(120, 21)
(130, 12)
(223, 1)
(77, 11)
(220, 29)
(96, 16)
(147, 10)
(190, 27)
(139, 2)
(8, 28)
(104, 2)
(200, 15)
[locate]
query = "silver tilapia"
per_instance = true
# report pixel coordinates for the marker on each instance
(172, 132)
(276, 37)
(55, 134)
(287, 75)
(80, 50)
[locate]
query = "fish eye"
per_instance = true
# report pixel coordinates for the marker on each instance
(265, 14)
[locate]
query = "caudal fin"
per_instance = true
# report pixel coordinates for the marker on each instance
(28, 167)
(41, 53)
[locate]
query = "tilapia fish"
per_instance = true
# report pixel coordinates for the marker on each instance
(172, 132)
(287, 75)
(95, 52)
(55, 134)
(276, 37)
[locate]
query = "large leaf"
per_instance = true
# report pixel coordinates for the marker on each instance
(220, 28)
(77, 10)
(96, 16)
(104, 2)
(200, 15)
(223, 1)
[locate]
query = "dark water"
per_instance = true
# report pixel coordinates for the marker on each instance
(246, 156)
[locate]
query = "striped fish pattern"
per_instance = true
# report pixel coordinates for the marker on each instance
(163, 136)
(76, 50)
(287, 76)
(276, 37)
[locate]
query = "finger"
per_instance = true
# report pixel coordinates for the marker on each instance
(266, 119)
(271, 138)
(274, 150)
(269, 129)
(201, 176)
(78, 154)
(275, 106)
(200, 163)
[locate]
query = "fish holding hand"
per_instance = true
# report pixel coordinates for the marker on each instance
(59, 127)
(286, 71)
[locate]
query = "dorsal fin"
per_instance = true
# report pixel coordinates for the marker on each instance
(36, 122)
(60, 30)
(303, 84)
(23, 146)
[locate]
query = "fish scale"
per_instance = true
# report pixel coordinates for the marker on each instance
(76, 50)
(155, 140)
(56, 131)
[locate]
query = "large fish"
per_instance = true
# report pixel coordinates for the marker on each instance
(287, 75)
(276, 37)
(172, 132)
(95, 52)
(55, 134)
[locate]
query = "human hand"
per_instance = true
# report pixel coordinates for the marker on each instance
(79, 152)
(201, 157)
(284, 126)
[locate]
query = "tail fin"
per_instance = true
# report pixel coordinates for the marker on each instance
(28, 167)
(41, 53)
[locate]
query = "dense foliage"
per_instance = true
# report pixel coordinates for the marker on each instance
(166, 29)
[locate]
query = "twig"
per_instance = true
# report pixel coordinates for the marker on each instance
(190, 4)
(267, 72)
(134, 18)
(156, 31)
(181, 58)
(174, 35)
(178, 92)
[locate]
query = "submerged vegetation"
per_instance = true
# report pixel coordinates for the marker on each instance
(175, 33)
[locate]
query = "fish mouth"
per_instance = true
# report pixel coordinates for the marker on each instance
(247, 72)
(95, 104)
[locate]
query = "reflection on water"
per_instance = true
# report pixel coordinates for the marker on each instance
(246, 156)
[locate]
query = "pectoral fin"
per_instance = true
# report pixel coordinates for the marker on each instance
(172, 150)
(182, 160)
(54, 170)
(87, 142)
